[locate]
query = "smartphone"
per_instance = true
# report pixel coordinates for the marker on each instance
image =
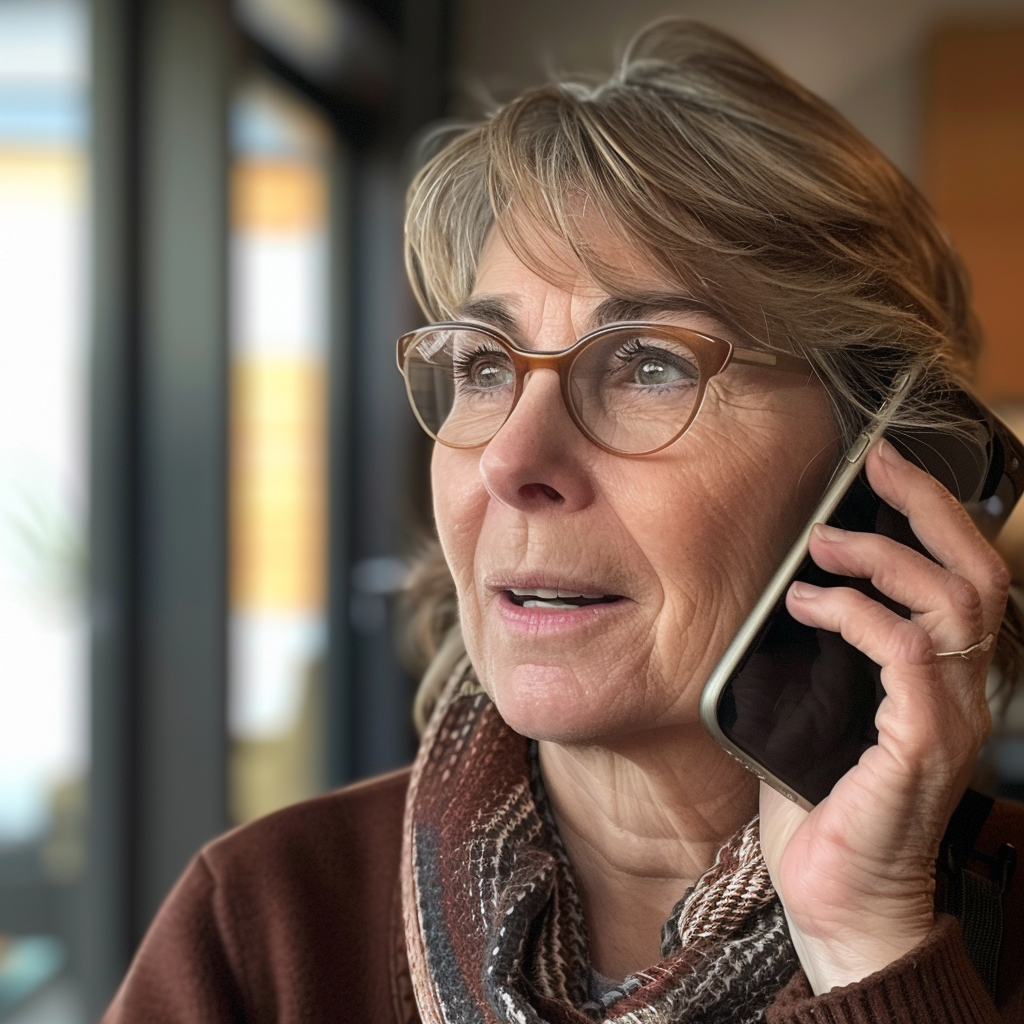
(796, 705)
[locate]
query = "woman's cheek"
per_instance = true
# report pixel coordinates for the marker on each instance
(459, 507)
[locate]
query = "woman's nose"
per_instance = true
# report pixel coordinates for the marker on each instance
(537, 460)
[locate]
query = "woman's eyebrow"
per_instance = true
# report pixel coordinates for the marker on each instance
(489, 309)
(646, 307)
(497, 311)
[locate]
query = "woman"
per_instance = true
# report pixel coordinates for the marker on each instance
(575, 846)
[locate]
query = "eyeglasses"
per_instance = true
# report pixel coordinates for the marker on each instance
(631, 388)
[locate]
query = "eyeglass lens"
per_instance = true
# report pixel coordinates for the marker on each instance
(631, 392)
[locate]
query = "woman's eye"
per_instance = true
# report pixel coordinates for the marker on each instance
(648, 367)
(657, 371)
(484, 370)
(491, 375)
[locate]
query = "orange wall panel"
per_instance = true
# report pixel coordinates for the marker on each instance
(974, 176)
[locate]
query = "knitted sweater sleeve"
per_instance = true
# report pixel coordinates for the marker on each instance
(934, 982)
(184, 971)
(287, 920)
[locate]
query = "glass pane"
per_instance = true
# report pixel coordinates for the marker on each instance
(43, 497)
(279, 258)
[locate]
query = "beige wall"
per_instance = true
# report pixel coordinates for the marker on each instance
(861, 55)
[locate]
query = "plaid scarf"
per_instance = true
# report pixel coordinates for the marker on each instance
(493, 924)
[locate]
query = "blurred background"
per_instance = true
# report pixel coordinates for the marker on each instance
(210, 484)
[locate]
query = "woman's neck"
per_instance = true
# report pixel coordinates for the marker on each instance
(640, 823)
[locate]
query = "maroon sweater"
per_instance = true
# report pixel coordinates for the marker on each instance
(296, 919)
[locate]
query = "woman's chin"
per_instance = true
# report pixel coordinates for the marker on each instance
(551, 702)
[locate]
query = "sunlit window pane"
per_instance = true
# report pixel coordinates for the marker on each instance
(43, 487)
(278, 448)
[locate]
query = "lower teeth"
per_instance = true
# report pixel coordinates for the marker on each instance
(549, 604)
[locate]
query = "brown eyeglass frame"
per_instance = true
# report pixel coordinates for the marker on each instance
(713, 356)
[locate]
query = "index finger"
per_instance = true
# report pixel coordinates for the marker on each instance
(939, 521)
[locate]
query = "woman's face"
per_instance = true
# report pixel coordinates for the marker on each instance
(684, 540)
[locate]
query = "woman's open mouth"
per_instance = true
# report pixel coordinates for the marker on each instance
(556, 600)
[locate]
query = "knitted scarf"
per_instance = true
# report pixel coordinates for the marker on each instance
(493, 924)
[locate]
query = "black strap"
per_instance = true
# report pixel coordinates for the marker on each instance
(968, 819)
(976, 898)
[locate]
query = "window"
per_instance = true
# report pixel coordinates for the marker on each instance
(44, 754)
(278, 443)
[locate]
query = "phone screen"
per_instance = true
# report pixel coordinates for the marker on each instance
(801, 702)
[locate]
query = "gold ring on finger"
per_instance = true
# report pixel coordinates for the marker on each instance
(967, 653)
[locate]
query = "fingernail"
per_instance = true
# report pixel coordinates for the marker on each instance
(805, 591)
(826, 532)
(889, 453)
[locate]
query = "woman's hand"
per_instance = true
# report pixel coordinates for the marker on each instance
(856, 874)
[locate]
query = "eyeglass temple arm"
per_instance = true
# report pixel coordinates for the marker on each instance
(773, 360)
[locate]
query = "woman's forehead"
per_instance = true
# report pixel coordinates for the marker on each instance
(567, 260)
(512, 292)
(524, 253)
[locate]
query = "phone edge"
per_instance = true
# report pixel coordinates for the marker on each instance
(847, 469)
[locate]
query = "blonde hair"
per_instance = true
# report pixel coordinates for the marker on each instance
(724, 176)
